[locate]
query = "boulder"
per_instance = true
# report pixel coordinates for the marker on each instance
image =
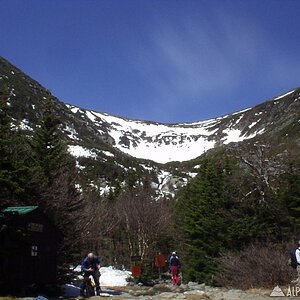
(194, 292)
(168, 295)
(191, 283)
(161, 287)
(195, 286)
(143, 292)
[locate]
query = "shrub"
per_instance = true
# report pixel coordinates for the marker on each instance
(258, 265)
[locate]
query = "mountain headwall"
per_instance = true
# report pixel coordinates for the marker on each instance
(89, 133)
(164, 143)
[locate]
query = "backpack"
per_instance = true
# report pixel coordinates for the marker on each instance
(293, 259)
(174, 260)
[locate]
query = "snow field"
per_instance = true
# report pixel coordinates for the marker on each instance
(79, 151)
(164, 143)
(113, 277)
(110, 277)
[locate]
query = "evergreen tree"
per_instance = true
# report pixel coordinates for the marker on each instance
(203, 213)
(13, 171)
(289, 197)
(57, 174)
(214, 216)
(6, 167)
(49, 150)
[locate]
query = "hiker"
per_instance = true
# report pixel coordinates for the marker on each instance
(174, 265)
(90, 266)
(160, 263)
(297, 252)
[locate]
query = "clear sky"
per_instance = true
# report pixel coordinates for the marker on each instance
(160, 60)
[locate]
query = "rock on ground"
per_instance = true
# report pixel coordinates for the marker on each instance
(191, 291)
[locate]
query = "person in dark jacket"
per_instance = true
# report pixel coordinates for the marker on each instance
(90, 266)
(174, 265)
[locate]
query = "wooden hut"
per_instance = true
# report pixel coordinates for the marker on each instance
(28, 248)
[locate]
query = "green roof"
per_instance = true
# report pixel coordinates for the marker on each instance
(21, 210)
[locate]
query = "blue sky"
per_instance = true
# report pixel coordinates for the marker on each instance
(160, 60)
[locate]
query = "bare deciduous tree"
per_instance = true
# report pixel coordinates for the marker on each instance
(98, 223)
(144, 219)
(263, 168)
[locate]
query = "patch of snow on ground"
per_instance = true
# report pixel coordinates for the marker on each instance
(73, 109)
(239, 119)
(107, 153)
(72, 133)
(105, 190)
(233, 135)
(102, 190)
(192, 174)
(79, 151)
(113, 277)
(121, 166)
(78, 187)
(80, 167)
(162, 176)
(252, 135)
(148, 168)
(91, 116)
(110, 277)
(281, 96)
(253, 124)
(260, 131)
(241, 111)
(170, 152)
(24, 125)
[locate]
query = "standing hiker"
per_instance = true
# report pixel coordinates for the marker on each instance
(160, 263)
(297, 252)
(90, 266)
(174, 265)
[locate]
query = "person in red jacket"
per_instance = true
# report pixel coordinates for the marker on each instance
(160, 263)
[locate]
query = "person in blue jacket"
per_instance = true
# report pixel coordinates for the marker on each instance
(174, 266)
(90, 266)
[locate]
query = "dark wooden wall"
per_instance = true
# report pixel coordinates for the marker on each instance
(30, 251)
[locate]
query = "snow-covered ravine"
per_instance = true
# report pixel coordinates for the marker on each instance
(160, 142)
(164, 143)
